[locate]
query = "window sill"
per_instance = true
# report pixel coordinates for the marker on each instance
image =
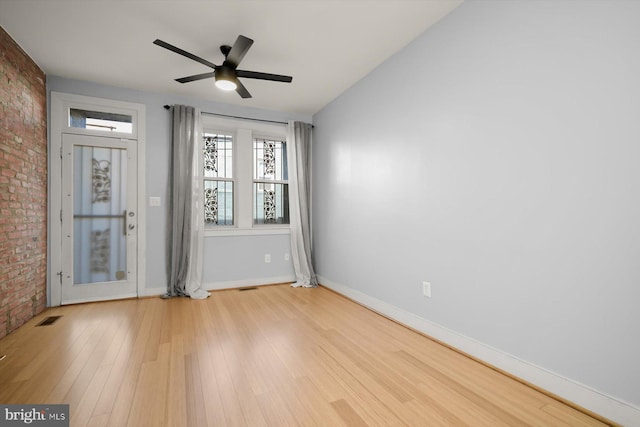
(257, 231)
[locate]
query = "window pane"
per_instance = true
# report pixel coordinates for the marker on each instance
(99, 120)
(99, 214)
(218, 202)
(269, 160)
(218, 156)
(271, 203)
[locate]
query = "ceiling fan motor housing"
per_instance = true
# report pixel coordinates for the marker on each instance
(224, 72)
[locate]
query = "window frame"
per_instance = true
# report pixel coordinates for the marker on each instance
(100, 106)
(243, 133)
(232, 180)
(256, 180)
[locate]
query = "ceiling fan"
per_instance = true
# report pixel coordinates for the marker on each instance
(227, 74)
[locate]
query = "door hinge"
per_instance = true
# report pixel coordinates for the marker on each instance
(60, 152)
(60, 215)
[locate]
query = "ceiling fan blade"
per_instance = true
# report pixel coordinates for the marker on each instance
(239, 49)
(264, 76)
(183, 53)
(242, 91)
(196, 77)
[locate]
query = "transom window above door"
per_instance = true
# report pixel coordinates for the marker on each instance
(100, 121)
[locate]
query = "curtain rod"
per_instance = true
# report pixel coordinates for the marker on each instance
(238, 117)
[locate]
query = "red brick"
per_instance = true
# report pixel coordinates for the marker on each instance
(23, 186)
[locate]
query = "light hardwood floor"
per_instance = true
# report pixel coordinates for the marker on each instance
(274, 356)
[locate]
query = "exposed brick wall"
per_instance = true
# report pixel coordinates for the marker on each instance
(23, 186)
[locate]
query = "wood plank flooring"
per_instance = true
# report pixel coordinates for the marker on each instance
(274, 356)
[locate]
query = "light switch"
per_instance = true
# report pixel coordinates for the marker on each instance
(154, 201)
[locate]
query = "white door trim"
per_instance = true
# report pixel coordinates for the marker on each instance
(60, 104)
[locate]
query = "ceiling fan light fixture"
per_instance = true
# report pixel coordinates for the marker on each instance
(226, 84)
(226, 79)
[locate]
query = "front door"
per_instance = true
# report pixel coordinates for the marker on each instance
(99, 218)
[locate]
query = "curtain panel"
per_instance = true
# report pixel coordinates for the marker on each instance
(186, 231)
(299, 139)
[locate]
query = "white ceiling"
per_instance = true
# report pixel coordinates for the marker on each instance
(326, 45)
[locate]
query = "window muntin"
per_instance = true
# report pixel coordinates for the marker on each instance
(270, 182)
(218, 179)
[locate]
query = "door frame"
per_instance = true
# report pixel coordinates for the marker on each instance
(59, 120)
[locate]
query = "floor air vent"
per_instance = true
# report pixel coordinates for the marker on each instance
(48, 320)
(247, 289)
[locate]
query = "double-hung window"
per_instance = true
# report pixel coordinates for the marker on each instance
(218, 178)
(270, 186)
(245, 177)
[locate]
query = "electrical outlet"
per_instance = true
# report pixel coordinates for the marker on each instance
(286, 257)
(426, 289)
(267, 258)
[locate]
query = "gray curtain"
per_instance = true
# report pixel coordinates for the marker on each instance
(299, 161)
(180, 181)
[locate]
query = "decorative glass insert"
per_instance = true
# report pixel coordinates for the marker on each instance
(100, 121)
(211, 154)
(101, 181)
(269, 150)
(211, 205)
(218, 179)
(100, 251)
(269, 200)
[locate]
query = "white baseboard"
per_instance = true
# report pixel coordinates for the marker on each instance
(230, 284)
(582, 395)
(151, 292)
(97, 299)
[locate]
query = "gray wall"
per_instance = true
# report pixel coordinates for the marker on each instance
(221, 254)
(239, 260)
(497, 157)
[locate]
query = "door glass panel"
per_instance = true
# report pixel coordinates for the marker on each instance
(99, 214)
